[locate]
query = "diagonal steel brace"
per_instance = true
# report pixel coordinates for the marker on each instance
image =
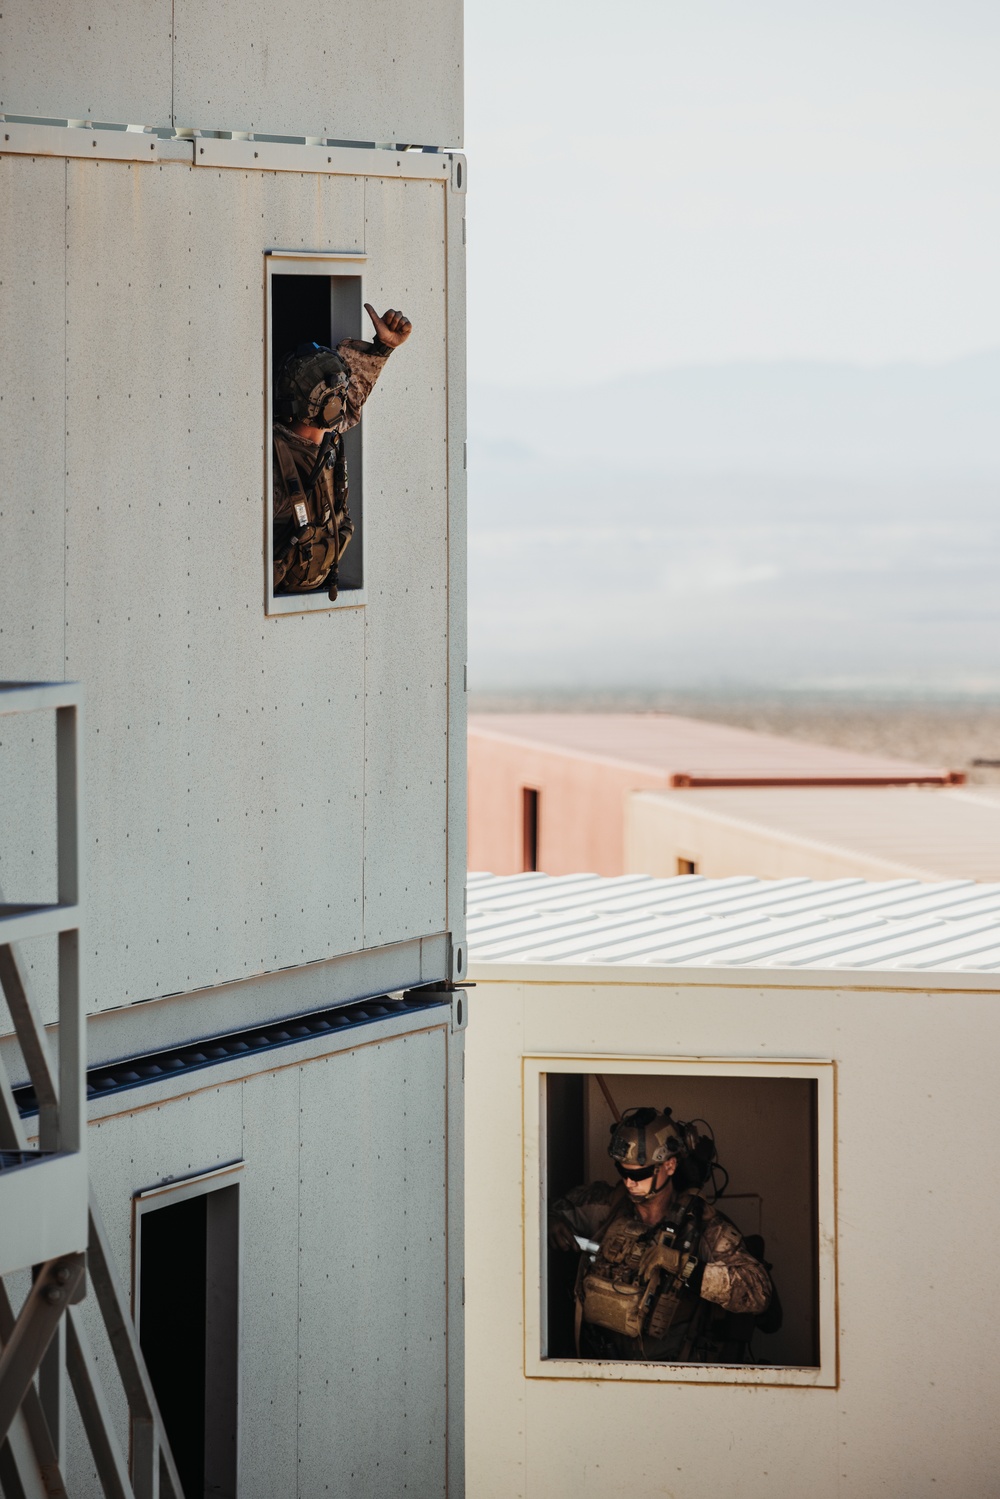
(47, 1301)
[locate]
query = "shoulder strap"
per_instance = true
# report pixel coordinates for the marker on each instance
(329, 439)
(286, 463)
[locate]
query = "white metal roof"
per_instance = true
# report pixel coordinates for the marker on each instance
(794, 925)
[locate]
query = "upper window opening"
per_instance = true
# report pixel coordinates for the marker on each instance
(322, 365)
(307, 305)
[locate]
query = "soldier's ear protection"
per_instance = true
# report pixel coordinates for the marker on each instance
(697, 1162)
(311, 385)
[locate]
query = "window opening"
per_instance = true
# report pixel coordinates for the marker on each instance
(308, 304)
(187, 1305)
(529, 815)
(761, 1170)
(687, 866)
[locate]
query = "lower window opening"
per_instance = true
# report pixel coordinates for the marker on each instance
(624, 1280)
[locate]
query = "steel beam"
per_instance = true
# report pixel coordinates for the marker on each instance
(94, 1413)
(21, 1476)
(29, 1458)
(131, 1365)
(34, 1046)
(32, 1333)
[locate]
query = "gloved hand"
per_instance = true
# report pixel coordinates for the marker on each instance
(561, 1236)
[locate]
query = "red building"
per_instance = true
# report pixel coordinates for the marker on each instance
(548, 790)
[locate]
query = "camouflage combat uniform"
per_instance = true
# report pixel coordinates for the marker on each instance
(327, 524)
(710, 1323)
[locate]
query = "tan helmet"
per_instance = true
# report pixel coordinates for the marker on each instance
(645, 1137)
(311, 386)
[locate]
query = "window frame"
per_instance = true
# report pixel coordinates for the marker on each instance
(302, 263)
(535, 1070)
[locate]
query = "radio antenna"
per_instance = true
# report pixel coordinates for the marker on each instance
(609, 1100)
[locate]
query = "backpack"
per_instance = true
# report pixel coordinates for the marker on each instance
(318, 527)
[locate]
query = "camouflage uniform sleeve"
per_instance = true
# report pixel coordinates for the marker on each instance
(584, 1208)
(732, 1278)
(365, 364)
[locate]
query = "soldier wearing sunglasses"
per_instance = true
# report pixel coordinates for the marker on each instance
(667, 1277)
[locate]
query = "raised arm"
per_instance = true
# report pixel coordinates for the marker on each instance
(365, 360)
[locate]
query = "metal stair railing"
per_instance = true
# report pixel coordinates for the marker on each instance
(49, 1218)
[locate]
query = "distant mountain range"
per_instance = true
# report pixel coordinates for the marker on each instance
(784, 417)
(773, 524)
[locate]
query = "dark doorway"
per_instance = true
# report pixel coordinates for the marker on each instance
(529, 814)
(188, 1331)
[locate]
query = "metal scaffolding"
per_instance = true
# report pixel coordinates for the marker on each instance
(49, 1220)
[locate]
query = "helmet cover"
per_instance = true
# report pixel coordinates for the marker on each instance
(644, 1137)
(311, 386)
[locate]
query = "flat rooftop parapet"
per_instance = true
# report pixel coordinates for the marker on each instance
(693, 752)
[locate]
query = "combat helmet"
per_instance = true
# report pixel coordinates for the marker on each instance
(644, 1137)
(647, 1137)
(311, 386)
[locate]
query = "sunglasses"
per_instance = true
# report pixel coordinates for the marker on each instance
(643, 1173)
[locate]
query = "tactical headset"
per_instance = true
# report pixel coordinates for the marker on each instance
(643, 1138)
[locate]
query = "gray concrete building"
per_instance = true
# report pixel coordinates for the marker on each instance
(268, 888)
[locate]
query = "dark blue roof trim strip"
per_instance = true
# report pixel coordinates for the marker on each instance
(137, 1072)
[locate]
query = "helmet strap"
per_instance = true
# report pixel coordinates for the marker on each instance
(657, 1190)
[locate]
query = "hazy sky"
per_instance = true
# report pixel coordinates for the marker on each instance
(657, 183)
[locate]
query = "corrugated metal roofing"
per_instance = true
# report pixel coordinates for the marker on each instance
(689, 922)
(692, 752)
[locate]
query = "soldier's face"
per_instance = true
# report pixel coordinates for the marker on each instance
(639, 1189)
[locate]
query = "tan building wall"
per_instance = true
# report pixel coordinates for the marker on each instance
(873, 833)
(910, 1410)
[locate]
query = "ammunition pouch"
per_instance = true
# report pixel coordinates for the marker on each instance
(611, 1306)
(306, 559)
(640, 1285)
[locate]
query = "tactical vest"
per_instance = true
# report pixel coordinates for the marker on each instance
(639, 1284)
(311, 523)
